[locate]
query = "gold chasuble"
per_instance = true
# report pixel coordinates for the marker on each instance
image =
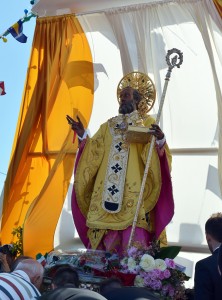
(109, 175)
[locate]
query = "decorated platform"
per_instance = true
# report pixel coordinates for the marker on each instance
(150, 267)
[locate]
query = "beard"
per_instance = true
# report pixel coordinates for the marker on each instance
(126, 108)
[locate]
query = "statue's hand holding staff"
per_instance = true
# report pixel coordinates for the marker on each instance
(156, 131)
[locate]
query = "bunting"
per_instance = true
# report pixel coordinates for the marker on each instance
(17, 32)
(2, 88)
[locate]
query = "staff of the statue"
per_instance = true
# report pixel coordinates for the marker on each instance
(176, 61)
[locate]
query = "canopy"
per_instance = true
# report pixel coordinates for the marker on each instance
(75, 66)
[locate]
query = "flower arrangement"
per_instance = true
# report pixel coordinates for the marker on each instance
(151, 267)
(156, 271)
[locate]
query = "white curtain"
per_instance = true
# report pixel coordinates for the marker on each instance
(192, 115)
(145, 32)
(137, 38)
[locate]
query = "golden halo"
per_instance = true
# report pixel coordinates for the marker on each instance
(142, 83)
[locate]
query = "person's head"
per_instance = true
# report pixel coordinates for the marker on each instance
(130, 293)
(10, 253)
(18, 260)
(33, 269)
(65, 275)
(110, 284)
(129, 100)
(213, 230)
(71, 293)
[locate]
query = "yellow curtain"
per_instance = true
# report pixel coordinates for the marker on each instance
(59, 81)
(218, 4)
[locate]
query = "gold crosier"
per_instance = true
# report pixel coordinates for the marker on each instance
(172, 62)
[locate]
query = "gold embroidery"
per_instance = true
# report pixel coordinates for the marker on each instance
(144, 85)
(90, 176)
(95, 236)
(129, 203)
(93, 208)
(116, 173)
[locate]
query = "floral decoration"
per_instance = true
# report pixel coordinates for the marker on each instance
(161, 275)
(151, 267)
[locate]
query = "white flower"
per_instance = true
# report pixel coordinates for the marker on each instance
(147, 262)
(138, 281)
(160, 264)
(131, 264)
(124, 261)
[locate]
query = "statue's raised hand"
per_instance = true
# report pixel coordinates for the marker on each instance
(77, 126)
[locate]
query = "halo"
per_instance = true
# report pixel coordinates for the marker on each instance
(142, 83)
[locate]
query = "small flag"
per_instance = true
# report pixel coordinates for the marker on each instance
(2, 88)
(16, 32)
(41, 259)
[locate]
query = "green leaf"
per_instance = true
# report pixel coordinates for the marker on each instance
(168, 252)
(186, 278)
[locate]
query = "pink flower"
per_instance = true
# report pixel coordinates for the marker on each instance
(170, 263)
(165, 289)
(166, 273)
(154, 274)
(132, 252)
(157, 274)
(161, 276)
(156, 284)
(147, 281)
(168, 289)
(171, 291)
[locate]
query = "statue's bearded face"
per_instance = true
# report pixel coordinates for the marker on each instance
(127, 102)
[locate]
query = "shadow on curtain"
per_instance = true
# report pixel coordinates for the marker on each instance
(59, 81)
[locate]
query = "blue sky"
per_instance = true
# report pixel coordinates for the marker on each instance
(14, 63)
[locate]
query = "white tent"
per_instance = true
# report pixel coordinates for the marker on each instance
(126, 36)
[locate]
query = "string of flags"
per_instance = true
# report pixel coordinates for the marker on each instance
(16, 30)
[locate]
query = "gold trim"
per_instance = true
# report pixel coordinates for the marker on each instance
(141, 82)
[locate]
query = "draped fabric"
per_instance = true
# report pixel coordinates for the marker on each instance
(218, 4)
(60, 72)
(191, 117)
(145, 32)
